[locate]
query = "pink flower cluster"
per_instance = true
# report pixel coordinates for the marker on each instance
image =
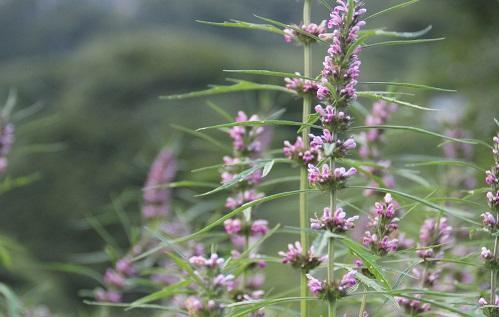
(331, 292)
(339, 67)
(332, 118)
(490, 218)
(115, 281)
(381, 238)
(489, 309)
(300, 85)
(296, 257)
(6, 141)
(325, 177)
(291, 34)
(413, 306)
(298, 152)
(433, 236)
(371, 143)
(336, 221)
(157, 196)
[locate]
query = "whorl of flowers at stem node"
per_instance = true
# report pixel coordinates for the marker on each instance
(489, 309)
(325, 178)
(157, 196)
(433, 236)
(301, 86)
(336, 221)
(333, 119)
(333, 291)
(383, 225)
(299, 153)
(342, 65)
(413, 306)
(298, 260)
(291, 34)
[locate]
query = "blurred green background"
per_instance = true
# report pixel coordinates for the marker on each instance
(97, 67)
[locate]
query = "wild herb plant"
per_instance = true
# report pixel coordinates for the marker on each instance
(383, 272)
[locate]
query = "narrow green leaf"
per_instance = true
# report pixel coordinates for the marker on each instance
(394, 100)
(255, 123)
(296, 29)
(235, 179)
(446, 163)
(266, 73)
(403, 42)
(267, 168)
(407, 85)
(9, 104)
(13, 304)
(368, 259)
(219, 221)
(189, 184)
(161, 294)
(202, 136)
(395, 7)
(422, 131)
(75, 269)
(239, 85)
(381, 32)
(417, 199)
(245, 25)
(224, 114)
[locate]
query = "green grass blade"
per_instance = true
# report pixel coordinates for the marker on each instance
(256, 123)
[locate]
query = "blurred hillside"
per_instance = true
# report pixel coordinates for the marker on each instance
(98, 68)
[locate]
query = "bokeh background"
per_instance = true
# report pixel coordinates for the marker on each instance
(95, 69)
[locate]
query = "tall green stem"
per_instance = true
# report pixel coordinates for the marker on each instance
(307, 102)
(493, 272)
(330, 253)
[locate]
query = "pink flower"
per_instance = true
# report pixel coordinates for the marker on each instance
(113, 278)
(232, 226)
(259, 227)
(315, 286)
(334, 222)
(486, 254)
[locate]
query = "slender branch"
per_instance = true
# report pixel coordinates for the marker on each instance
(493, 271)
(307, 102)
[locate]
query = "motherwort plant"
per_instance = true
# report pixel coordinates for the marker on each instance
(490, 219)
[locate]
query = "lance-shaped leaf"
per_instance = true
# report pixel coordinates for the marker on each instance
(446, 163)
(294, 28)
(258, 123)
(263, 72)
(392, 8)
(202, 136)
(239, 85)
(403, 42)
(422, 201)
(394, 100)
(244, 175)
(407, 85)
(369, 259)
(381, 32)
(221, 220)
(161, 294)
(245, 25)
(422, 131)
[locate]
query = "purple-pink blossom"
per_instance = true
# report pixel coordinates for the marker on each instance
(291, 34)
(157, 196)
(6, 141)
(296, 257)
(336, 221)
